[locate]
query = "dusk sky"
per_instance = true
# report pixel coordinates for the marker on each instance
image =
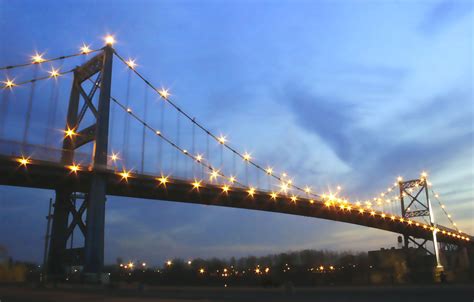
(350, 93)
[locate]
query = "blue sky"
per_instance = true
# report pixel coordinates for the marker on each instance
(333, 92)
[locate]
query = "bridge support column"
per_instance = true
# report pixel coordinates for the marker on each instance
(94, 247)
(91, 256)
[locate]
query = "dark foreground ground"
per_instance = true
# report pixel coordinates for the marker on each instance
(447, 293)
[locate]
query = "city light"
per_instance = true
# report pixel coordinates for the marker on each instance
(169, 263)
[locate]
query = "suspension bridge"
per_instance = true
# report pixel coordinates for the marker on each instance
(76, 149)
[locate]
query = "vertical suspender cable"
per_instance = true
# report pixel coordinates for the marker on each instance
(30, 107)
(145, 109)
(160, 142)
(126, 129)
(4, 111)
(176, 167)
(193, 147)
(52, 109)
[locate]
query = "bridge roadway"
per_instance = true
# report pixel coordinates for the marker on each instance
(51, 175)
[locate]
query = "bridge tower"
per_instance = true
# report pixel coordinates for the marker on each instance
(415, 202)
(91, 255)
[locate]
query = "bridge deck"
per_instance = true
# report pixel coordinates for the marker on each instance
(50, 175)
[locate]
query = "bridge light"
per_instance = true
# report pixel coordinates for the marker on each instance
(372, 213)
(327, 204)
(399, 178)
(273, 195)
(311, 201)
(294, 198)
(222, 139)
(129, 110)
(307, 190)
(361, 210)
(37, 58)
(114, 157)
(424, 175)
(109, 40)
(164, 93)
(69, 132)
(342, 207)
(196, 184)
(8, 84)
(339, 188)
(214, 175)
(131, 265)
(131, 63)
(74, 168)
(54, 73)
(163, 180)
(23, 161)
(269, 170)
(392, 217)
(157, 132)
(199, 158)
(85, 49)
(125, 175)
(401, 219)
(409, 222)
(349, 208)
(225, 188)
(232, 179)
(284, 187)
(185, 151)
(247, 156)
(251, 191)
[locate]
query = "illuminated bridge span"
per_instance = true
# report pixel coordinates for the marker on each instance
(179, 159)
